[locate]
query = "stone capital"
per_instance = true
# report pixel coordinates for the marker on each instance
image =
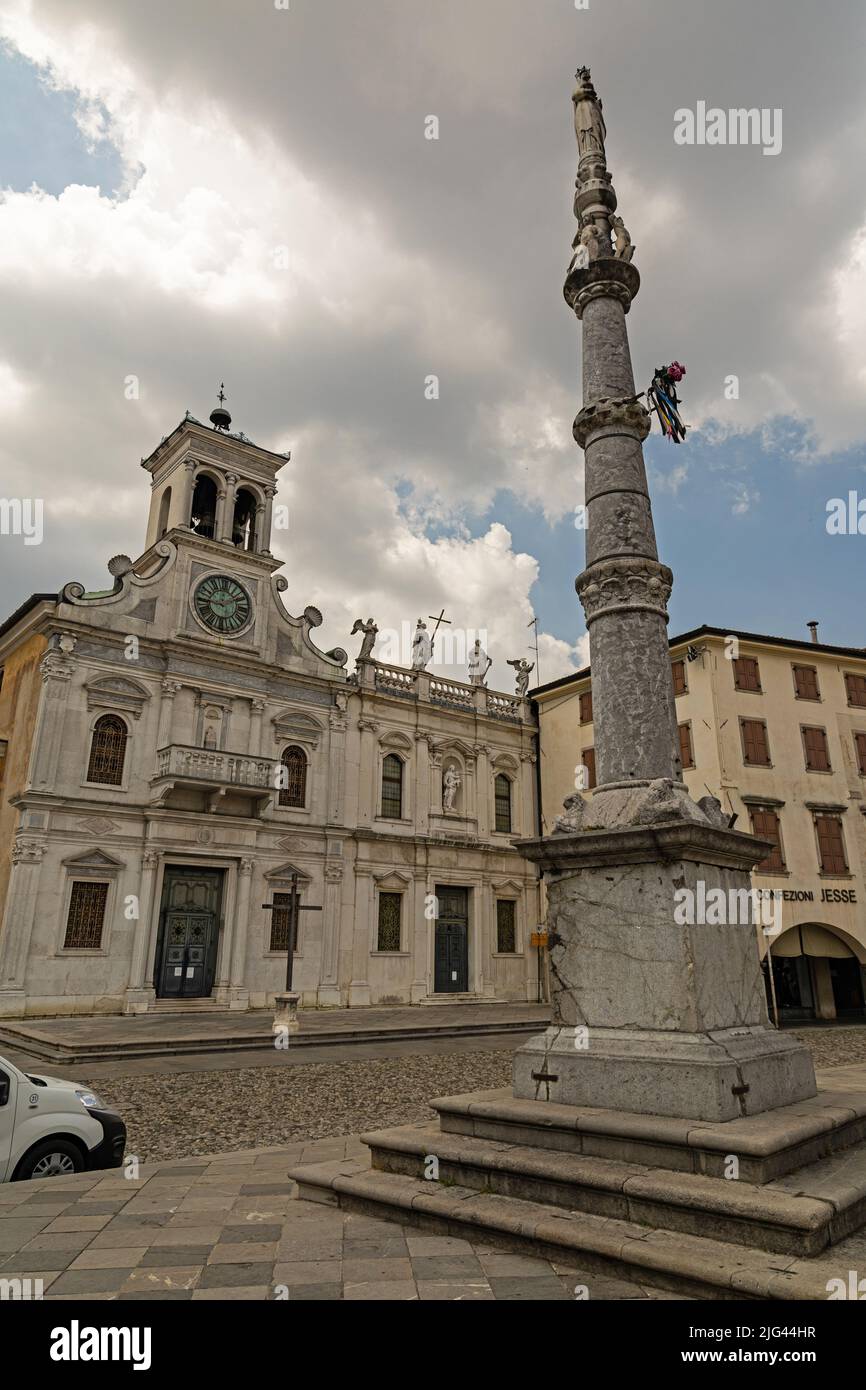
(626, 583)
(612, 417)
(605, 278)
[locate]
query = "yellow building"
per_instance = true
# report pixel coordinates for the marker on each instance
(776, 729)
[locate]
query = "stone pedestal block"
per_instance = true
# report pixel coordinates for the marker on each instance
(286, 1012)
(652, 1012)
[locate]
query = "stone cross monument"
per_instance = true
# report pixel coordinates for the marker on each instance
(649, 1014)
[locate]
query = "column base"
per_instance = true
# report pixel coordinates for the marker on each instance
(328, 997)
(722, 1075)
(138, 1000)
(359, 995)
(12, 1003)
(286, 1012)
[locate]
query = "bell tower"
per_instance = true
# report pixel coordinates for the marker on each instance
(214, 484)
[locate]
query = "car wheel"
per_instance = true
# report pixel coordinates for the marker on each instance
(55, 1158)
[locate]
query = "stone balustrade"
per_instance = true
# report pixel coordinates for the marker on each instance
(428, 688)
(214, 766)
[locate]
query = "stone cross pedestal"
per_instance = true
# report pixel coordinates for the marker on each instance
(649, 1015)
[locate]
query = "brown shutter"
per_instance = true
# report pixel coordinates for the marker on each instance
(831, 845)
(756, 751)
(855, 687)
(678, 669)
(817, 753)
(687, 756)
(806, 683)
(588, 759)
(860, 750)
(586, 707)
(746, 674)
(765, 824)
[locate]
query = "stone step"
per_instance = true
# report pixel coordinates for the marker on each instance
(692, 1266)
(803, 1218)
(766, 1146)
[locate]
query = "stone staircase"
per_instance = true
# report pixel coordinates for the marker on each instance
(639, 1197)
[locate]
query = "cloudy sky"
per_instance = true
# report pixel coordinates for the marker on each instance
(242, 190)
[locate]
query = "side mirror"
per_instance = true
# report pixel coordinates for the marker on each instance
(4, 1088)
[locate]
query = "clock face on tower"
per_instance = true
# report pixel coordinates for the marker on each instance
(223, 605)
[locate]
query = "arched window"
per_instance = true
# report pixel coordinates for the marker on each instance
(202, 516)
(244, 523)
(164, 509)
(392, 787)
(107, 751)
(502, 794)
(293, 781)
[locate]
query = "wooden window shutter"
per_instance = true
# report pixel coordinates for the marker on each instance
(817, 753)
(860, 750)
(687, 755)
(756, 751)
(586, 707)
(765, 824)
(855, 688)
(746, 674)
(831, 845)
(806, 683)
(678, 669)
(587, 757)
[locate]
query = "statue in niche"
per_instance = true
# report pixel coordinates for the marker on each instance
(523, 669)
(422, 647)
(209, 740)
(451, 780)
(370, 631)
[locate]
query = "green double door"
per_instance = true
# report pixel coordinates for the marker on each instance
(451, 954)
(189, 932)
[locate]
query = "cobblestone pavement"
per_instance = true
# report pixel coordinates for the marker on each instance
(179, 1114)
(227, 1227)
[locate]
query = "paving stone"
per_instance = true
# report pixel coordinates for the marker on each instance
(444, 1290)
(378, 1249)
(59, 1240)
(109, 1258)
(307, 1272)
(157, 1296)
(14, 1234)
(156, 1279)
(84, 1282)
(439, 1245)
(314, 1293)
(309, 1248)
(463, 1267)
(76, 1223)
(363, 1271)
(250, 1231)
(254, 1293)
(227, 1253)
(504, 1264)
(387, 1291)
(163, 1256)
(225, 1276)
(519, 1289)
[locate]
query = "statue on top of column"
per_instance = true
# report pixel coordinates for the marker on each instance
(589, 124)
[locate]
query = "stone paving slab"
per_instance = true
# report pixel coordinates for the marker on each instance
(227, 1227)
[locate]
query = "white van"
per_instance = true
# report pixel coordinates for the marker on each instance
(50, 1128)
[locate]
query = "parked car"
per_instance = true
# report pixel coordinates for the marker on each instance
(51, 1128)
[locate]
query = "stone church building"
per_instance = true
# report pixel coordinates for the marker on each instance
(174, 748)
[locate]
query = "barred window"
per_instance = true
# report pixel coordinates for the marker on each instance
(388, 929)
(506, 926)
(107, 751)
(392, 787)
(86, 916)
(293, 779)
(765, 824)
(502, 796)
(281, 921)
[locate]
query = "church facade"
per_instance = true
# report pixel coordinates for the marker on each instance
(179, 757)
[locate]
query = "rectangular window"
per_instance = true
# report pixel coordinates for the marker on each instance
(586, 707)
(86, 916)
(765, 824)
(860, 752)
(679, 673)
(831, 845)
(855, 688)
(502, 804)
(392, 787)
(388, 927)
(756, 749)
(587, 757)
(806, 683)
(281, 921)
(687, 754)
(506, 926)
(746, 674)
(816, 750)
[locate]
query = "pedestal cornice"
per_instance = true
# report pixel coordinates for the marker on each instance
(605, 278)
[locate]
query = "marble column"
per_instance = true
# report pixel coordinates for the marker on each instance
(368, 791)
(168, 690)
(228, 511)
(138, 995)
(185, 507)
(338, 722)
(422, 782)
(359, 985)
(328, 995)
(257, 709)
(239, 990)
(652, 1012)
(56, 669)
(267, 527)
(17, 929)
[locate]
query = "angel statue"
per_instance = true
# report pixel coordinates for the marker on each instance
(369, 630)
(523, 669)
